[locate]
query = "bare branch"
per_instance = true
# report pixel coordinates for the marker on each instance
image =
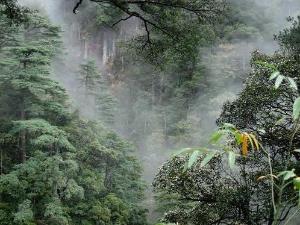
(77, 6)
(148, 34)
(123, 19)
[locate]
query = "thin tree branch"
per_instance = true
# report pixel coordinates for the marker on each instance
(122, 19)
(77, 6)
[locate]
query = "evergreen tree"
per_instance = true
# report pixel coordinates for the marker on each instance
(55, 168)
(89, 76)
(97, 87)
(25, 79)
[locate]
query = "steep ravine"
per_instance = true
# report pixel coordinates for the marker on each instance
(102, 45)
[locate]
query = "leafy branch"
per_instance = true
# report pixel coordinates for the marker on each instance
(246, 141)
(141, 9)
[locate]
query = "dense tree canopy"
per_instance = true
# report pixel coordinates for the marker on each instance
(237, 197)
(146, 69)
(55, 167)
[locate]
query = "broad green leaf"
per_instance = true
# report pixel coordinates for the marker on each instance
(193, 158)
(238, 137)
(296, 182)
(185, 168)
(274, 75)
(215, 138)
(229, 126)
(266, 65)
(278, 81)
(282, 173)
(209, 156)
(292, 82)
(296, 108)
(299, 198)
(185, 151)
(287, 174)
(231, 159)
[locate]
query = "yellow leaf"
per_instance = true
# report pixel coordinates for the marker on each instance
(261, 178)
(244, 145)
(255, 141)
(250, 140)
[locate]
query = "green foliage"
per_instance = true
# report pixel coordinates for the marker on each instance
(289, 38)
(296, 109)
(106, 105)
(244, 21)
(25, 73)
(55, 214)
(262, 114)
(13, 11)
(24, 214)
(57, 169)
(252, 181)
(43, 135)
(164, 96)
(203, 194)
(89, 75)
(96, 86)
(287, 174)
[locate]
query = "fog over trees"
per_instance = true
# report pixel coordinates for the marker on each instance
(149, 112)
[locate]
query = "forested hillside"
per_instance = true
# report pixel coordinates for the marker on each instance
(56, 167)
(149, 112)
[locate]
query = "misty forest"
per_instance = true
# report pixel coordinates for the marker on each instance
(149, 112)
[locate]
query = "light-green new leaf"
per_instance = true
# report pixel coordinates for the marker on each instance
(209, 156)
(193, 158)
(228, 126)
(287, 174)
(215, 138)
(278, 81)
(274, 75)
(296, 109)
(231, 159)
(189, 151)
(293, 83)
(184, 151)
(296, 182)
